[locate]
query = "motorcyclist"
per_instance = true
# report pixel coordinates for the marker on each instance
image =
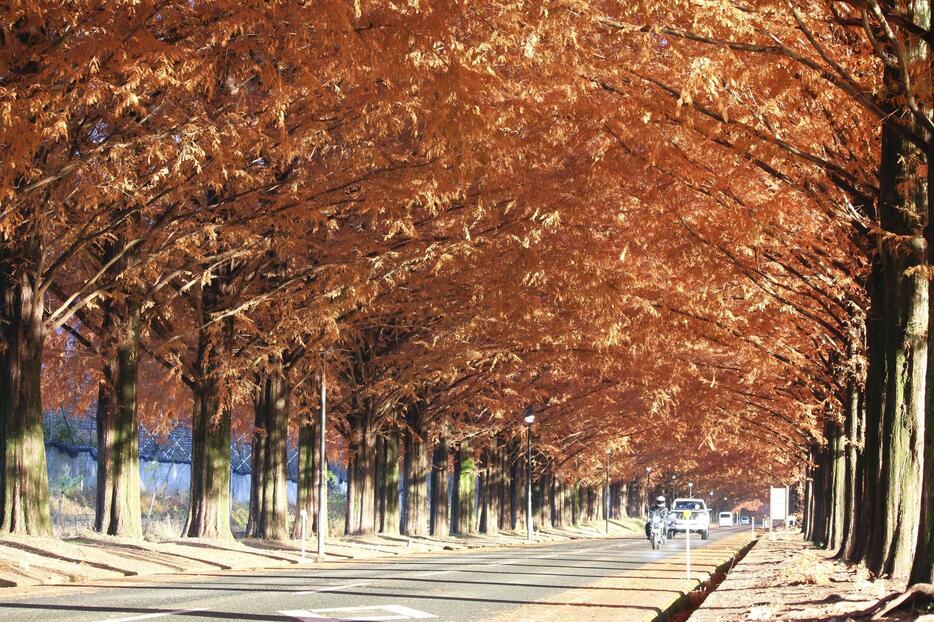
(661, 509)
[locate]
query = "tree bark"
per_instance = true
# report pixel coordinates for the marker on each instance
(854, 442)
(308, 477)
(544, 501)
(209, 497)
(439, 489)
(389, 484)
(837, 489)
(922, 570)
(117, 510)
(502, 455)
(361, 472)
(415, 473)
(462, 513)
(905, 325)
(269, 509)
(875, 396)
(24, 493)
(491, 491)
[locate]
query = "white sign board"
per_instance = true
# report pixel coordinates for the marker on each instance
(778, 503)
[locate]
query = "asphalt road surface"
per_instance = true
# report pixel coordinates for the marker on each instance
(458, 586)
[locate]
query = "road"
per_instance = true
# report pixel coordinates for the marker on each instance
(456, 586)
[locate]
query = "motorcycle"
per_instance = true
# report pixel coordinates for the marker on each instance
(658, 531)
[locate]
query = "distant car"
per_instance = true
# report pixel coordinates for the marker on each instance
(689, 515)
(744, 520)
(725, 519)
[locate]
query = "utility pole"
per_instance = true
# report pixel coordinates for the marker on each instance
(322, 468)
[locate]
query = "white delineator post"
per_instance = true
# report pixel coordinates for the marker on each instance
(687, 541)
(304, 524)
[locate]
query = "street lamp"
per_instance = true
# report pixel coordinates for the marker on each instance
(529, 420)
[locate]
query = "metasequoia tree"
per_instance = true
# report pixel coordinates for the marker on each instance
(649, 226)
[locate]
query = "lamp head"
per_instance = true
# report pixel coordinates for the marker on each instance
(529, 419)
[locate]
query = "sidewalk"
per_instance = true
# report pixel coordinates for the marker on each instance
(638, 594)
(788, 579)
(29, 561)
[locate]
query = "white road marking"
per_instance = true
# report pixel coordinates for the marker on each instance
(376, 613)
(333, 588)
(413, 614)
(148, 616)
(433, 573)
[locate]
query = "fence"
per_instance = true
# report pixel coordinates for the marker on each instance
(75, 433)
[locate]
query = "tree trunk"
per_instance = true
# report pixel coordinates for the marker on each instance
(308, 477)
(439, 489)
(515, 486)
(492, 490)
(504, 481)
(24, 494)
(257, 457)
(416, 469)
(462, 513)
(837, 488)
(389, 484)
(209, 497)
(269, 509)
(903, 204)
(854, 443)
(922, 570)
(483, 494)
(876, 383)
(361, 473)
(117, 510)
(544, 503)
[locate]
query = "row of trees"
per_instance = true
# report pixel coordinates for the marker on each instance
(692, 239)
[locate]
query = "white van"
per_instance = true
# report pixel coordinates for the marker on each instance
(725, 519)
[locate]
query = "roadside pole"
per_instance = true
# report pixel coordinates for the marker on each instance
(304, 526)
(688, 547)
(322, 470)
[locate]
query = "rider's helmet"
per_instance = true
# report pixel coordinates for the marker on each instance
(660, 501)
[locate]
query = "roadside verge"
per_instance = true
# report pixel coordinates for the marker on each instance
(641, 594)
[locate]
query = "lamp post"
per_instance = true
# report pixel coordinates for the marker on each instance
(606, 494)
(690, 490)
(529, 420)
